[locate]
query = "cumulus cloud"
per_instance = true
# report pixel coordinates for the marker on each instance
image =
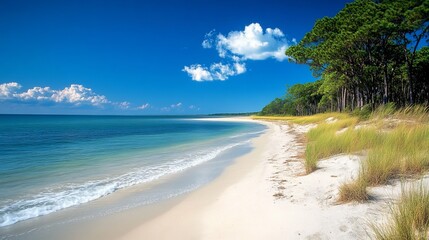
(75, 94)
(78, 94)
(216, 71)
(36, 93)
(198, 73)
(144, 106)
(237, 47)
(253, 43)
(8, 89)
(239, 68)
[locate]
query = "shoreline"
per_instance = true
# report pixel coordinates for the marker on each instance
(262, 194)
(266, 195)
(85, 222)
(122, 224)
(188, 208)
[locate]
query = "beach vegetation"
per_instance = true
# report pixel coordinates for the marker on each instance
(409, 218)
(395, 146)
(329, 139)
(354, 191)
(371, 61)
(310, 119)
(402, 152)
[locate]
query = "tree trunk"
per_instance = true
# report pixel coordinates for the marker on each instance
(385, 95)
(344, 94)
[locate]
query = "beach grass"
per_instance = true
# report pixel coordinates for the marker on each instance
(328, 139)
(409, 219)
(416, 113)
(396, 145)
(403, 151)
(354, 191)
(317, 118)
(395, 140)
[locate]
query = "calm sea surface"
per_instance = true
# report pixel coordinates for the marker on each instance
(49, 163)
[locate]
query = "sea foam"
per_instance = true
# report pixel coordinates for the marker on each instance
(52, 200)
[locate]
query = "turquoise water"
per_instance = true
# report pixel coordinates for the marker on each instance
(49, 163)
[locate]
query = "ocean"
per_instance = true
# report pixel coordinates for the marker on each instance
(50, 163)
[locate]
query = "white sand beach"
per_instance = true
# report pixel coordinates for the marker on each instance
(266, 195)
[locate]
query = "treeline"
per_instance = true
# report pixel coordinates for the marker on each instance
(369, 54)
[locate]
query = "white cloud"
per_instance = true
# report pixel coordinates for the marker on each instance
(177, 105)
(221, 71)
(78, 94)
(253, 43)
(240, 68)
(198, 73)
(208, 39)
(193, 107)
(217, 71)
(36, 93)
(144, 106)
(75, 94)
(123, 105)
(7, 90)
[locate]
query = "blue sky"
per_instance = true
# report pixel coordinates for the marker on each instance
(141, 57)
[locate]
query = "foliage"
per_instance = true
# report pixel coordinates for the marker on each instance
(363, 113)
(301, 99)
(370, 53)
(279, 106)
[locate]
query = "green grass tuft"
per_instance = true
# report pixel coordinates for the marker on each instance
(409, 218)
(311, 159)
(403, 151)
(384, 111)
(326, 140)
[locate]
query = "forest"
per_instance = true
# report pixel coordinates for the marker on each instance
(369, 54)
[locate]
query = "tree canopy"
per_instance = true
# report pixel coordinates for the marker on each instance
(369, 53)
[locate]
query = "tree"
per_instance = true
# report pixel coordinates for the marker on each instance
(369, 53)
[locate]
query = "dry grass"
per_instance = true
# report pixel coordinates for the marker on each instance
(417, 113)
(354, 191)
(317, 118)
(409, 218)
